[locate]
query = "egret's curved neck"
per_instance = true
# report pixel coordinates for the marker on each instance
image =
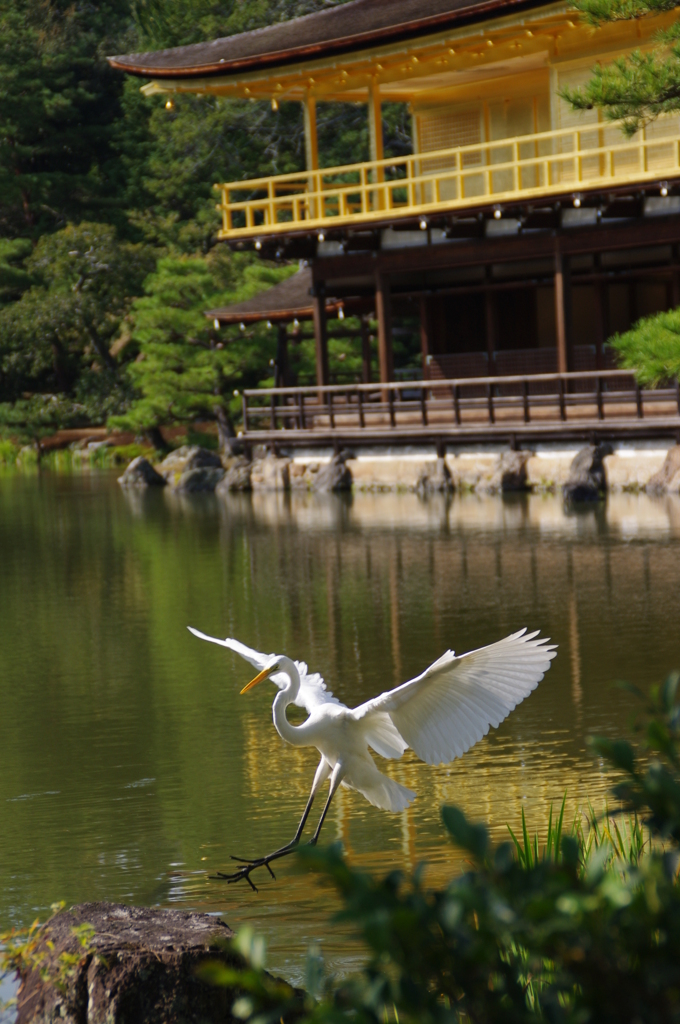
(288, 732)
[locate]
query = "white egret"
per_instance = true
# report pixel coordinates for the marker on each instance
(440, 714)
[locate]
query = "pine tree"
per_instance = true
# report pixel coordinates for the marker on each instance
(187, 370)
(60, 101)
(652, 348)
(637, 88)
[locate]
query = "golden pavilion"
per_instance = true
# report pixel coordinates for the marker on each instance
(522, 233)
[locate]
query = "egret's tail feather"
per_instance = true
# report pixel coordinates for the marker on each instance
(383, 792)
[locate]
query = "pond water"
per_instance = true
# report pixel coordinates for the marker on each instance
(130, 768)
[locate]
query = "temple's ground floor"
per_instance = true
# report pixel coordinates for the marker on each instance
(511, 301)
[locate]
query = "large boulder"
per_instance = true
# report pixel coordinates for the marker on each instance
(237, 477)
(667, 480)
(435, 478)
(509, 474)
(175, 461)
(270, 474)
(334, 475)
(130, 965)
(587, 478)
(140, 473)
(186, 458)
(203, 458)
(199, 478)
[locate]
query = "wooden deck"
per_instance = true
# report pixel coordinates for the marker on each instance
(607, 403)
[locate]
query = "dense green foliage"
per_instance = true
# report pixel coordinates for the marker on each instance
(589, 930)
(107, 214)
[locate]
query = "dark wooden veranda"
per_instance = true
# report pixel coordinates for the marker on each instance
(600, 404)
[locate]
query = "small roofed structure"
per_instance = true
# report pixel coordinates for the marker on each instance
(286, 301)
(292, 301)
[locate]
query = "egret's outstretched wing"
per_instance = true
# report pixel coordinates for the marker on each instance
(254, 657)
(313, 691)
(450, 706)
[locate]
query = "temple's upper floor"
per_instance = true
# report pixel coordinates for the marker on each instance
(484, 81)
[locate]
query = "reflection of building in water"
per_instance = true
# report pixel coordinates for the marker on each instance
(625, 513)
(574, 641)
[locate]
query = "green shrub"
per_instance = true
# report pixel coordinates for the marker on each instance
(8, 453)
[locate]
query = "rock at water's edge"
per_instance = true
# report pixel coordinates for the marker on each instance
(667, 480)
(140, 966)
(186, 458)
(435, 479)
(509, 474)
(140, 473)
(237, 477)
(587, 479)
(335, 475)
(200, 478)
(270, 474)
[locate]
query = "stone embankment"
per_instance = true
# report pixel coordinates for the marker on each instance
(583, 475)
(107, 963)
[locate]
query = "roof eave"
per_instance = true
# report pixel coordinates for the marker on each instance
(280, 58)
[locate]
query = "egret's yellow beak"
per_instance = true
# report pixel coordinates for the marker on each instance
(258, 679)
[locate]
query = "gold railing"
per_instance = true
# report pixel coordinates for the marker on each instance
(521, 168)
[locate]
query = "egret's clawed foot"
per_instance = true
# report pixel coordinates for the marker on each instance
(250, 865)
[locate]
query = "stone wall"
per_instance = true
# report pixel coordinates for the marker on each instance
(626, 469)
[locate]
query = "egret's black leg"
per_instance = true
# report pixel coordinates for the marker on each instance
(335, 782)
(322, 774)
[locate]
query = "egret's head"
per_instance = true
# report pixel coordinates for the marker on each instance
(271, 667)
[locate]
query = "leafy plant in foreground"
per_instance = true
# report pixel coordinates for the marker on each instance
(24, 949)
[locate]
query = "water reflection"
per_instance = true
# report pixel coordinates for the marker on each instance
(129, 766)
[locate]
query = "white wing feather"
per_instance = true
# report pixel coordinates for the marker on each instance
(313, 690)
(451, 705)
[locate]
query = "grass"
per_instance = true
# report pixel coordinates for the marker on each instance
(614, 838)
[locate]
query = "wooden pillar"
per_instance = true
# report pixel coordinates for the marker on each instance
(320, 334)
(383, 312)
(562, 310)
(282, 376)
(311, 149)
(365, 351)
(311, 142)
(375, 132)
(425, 332)
(490, 322)
(375, 136)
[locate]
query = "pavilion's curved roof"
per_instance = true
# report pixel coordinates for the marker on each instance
(285, 301)
(348, 27)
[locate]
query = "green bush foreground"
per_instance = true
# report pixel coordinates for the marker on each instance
(584, 929)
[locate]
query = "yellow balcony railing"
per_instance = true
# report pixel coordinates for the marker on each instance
(522, 168)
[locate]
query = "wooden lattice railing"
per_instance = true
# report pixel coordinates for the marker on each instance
(423, 406)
